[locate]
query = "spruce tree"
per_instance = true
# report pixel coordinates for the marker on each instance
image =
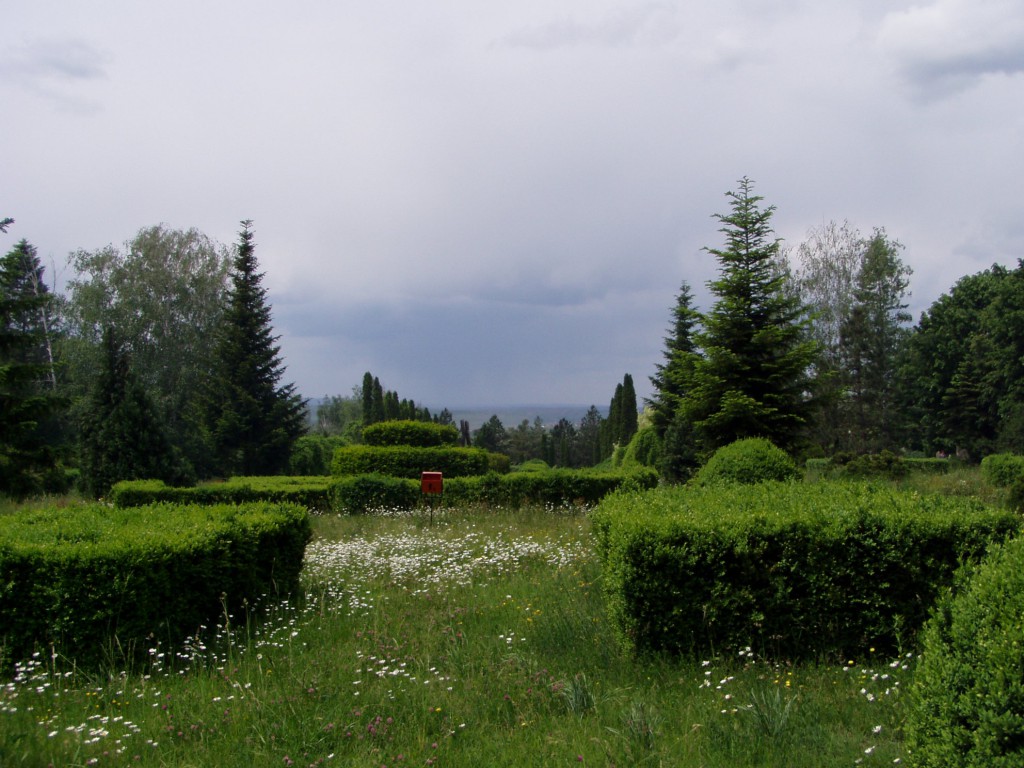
(254, 420)
(122, 436)
(752, 380)
(27, 379)
(671, 379)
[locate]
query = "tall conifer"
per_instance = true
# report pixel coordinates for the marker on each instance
(255, 419)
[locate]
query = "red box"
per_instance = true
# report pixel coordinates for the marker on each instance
(431, 482)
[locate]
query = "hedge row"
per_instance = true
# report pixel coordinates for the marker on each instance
(422, 434)
(1003, 470)
(97, 583)
(792, 570)
(410, 462)
(310, 492)
(850, 466)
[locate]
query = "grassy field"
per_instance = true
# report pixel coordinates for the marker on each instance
(479, 639)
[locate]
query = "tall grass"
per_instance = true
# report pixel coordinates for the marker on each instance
(477, 639)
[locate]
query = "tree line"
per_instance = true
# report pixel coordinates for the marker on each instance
(160, 360)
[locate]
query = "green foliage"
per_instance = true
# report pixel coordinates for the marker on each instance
(752, 460)
(313, 493)
(163, 295)
(792, 570)
(968, 695)
(885, 465)
(87, 579)
(643, 450)
(752, 377)
(671, 380)
(253, 419)
(420, 434)
(410, 462)
(491, 436)
(555, 487)
(312, 454)
(122, 436)
(1002, 469)
(373, 492)
(28, 404)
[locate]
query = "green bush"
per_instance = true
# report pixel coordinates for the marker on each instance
(643, 450)
(373, 492)
(310, 492)
(312, 454)
(409, 462)
(418, 434)
(1003, 469)
(751, 460)
(556, 487)
(790, 569)
(94, 582)
(967, 704)
(852, 466)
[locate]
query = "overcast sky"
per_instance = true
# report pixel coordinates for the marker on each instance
(487, 203)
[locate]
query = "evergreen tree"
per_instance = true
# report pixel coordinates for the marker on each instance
(367, 395)
(752, 380)
(27, 379)
(671, 379)
(588, 437)
(872, 341)
(628, 414)
(255, 420)
(491, 436)
(122, 436)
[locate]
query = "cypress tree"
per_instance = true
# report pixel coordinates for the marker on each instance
(628, 415)
(255, 419)
(367, 395)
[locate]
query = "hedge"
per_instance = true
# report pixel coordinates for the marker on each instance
(792, 570)
(310, 492)
(421, 434)
(97, 582)
(556, 487)
(410, 462)
(967, 702)
(1003, 470)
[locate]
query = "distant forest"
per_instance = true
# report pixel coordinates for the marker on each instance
(160, 361)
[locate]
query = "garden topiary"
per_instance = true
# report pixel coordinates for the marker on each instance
(967, 706)
(751, 460)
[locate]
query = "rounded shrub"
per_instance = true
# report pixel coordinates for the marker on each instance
(967, 705)
(419, 434)
(751, 460)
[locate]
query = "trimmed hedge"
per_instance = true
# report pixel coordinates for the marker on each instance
(312, 454)
(366, 493)
(789, 569)
(363, 493)
(410, 462)
(1003, 469)
(420, 434)
(967, 703)
(311, 492)
(92, 579)
(751, 460)
(555, 486)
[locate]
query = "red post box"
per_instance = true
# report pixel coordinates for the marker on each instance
(431, 482)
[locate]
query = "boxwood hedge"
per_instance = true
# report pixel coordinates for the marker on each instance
(792, 570)
(410, 462)
(311, 492)
(87, 580)
(422, 434)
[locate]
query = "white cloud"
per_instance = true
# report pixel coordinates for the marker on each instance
(646, 24)
(948, 45)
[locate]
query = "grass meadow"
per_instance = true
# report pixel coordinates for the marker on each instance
(465, 638)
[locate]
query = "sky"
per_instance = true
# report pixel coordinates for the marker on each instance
(487, 203)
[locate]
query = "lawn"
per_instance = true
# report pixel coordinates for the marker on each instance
(469, 638)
